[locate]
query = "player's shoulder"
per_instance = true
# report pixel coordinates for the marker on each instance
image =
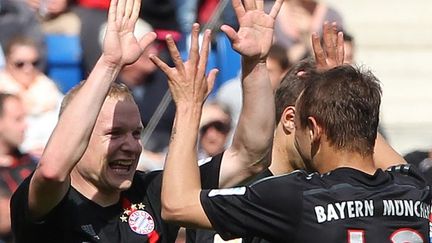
(407, 174)
(296, 177)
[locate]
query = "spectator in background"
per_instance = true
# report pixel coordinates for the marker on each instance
(277, 64)
(215, 126)
(14, 165)
(17, 19)
(297, 20)
(39, 94)
(55, 15)
(160, 14)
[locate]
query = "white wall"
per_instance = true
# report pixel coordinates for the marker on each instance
(394, 39)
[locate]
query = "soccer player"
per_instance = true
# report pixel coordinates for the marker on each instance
(86, 189)
(349, 200)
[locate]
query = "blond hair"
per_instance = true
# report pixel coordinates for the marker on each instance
(117, 91)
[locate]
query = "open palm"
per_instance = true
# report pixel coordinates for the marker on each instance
(255, 35)
(120, 44)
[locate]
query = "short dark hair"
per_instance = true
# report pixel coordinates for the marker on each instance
(279, 53)
(292, 85)
(3, 98)
(345, 101)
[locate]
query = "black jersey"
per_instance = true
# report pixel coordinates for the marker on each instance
(345, 205)
(76, 219)
(210, 236)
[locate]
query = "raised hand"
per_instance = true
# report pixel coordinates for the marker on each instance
(333, 53)
(187, 80)
(255, 35)
(120, 45)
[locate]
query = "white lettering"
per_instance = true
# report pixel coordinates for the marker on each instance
(341, 208)
(369, 208)
(359, 208)
(332, 215)
(388, 208)
(350, 206)
(409, 209)
(416, 208)
(320, 213)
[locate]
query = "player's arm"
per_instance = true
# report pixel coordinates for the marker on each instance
(70, 137)
(181, 182)
(250, 151)
(384, 155)
(189, 87)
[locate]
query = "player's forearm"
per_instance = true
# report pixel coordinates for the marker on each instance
(181, 181)
(254, 131)
(384, 155)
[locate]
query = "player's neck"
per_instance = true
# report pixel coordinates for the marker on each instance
(91, 192)
(283, 160)
(332, 159)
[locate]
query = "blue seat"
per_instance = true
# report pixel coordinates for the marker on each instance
(64, 60)
(227, 60)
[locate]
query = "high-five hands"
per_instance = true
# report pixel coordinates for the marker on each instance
(187, 80)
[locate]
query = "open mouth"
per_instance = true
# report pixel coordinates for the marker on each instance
(121, 166)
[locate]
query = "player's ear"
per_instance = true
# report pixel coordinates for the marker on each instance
(315, 130)
(287, 119)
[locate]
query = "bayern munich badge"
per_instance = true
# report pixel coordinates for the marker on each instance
(140, 221)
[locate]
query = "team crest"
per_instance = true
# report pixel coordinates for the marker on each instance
(138, 219)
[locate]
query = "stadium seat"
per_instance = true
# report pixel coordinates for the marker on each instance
(64, 60)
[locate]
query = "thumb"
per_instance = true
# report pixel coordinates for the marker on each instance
(147, 39)
(230, 32)
(211, 80)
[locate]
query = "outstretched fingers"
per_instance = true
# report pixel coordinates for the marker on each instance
(147, 39)
(340, 48)
(175, 54)
(260, 5)
(238, 8)
(249, 5)
(194, 50)
(330, 41)
(211, 79)
(320, 57)
(161, 64)
(129, 8)
(112, 11)
(121, 6)
(202, 64)
(231, 33)
(135, 11)
(276, 8)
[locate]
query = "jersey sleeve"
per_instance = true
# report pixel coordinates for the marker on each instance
(19, 206)
(210, 171)
(270, 209)
(21, 220)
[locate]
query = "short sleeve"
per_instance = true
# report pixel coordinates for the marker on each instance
(19, 204)
(269, 209)
(210, 171)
